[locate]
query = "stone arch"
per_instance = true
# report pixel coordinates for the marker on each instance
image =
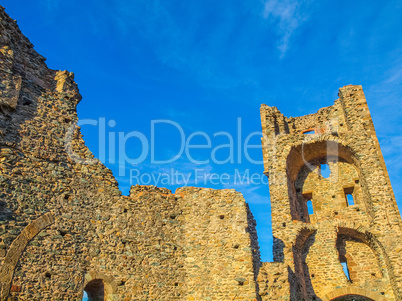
(95, 290)
(352, 298)
(95, 279)
(366, 236)
(17, 248)
(361, 232)
(345, 291)
(309, 150)
(301, 286)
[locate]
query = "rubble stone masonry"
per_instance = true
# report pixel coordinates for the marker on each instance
(332, 206)
(66, 228)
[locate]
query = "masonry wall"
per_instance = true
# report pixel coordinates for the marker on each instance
(294, 150)
(222, 258)
(64, 226)
(48, 200)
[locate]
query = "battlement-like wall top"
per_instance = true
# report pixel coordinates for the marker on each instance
(347, 112)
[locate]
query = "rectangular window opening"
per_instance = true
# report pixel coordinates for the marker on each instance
(349, 196)
(310, 207)
(308, 197)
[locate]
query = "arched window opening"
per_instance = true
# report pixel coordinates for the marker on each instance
(94, 291)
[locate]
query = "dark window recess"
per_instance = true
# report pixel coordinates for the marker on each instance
(349, 196)
(26, 101)
(94, 290)
(325, 171)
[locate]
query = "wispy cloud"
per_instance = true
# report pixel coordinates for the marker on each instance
(289, 16)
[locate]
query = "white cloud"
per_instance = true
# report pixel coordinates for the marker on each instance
(287, 14)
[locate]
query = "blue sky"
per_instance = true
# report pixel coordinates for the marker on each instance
(205, 64)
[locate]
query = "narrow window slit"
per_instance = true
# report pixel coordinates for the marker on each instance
(310, 208)
(349, 196)
(346, 270)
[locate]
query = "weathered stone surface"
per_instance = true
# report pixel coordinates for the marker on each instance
(65, 226)
(310, 246)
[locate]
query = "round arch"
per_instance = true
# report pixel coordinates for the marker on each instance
(305, 238)
(363, 233)
(301, 154)
(104, 281)
(345, 291)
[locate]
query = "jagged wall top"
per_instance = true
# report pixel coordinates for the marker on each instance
(20, 62)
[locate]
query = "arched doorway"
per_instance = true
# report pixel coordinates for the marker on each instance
(94, 291)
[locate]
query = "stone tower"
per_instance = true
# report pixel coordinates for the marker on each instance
(65, 228)
(336, 225)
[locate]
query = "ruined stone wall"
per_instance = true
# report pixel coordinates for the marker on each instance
(221, 256)
(47, 199)
(64, 225)
(294, 150)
